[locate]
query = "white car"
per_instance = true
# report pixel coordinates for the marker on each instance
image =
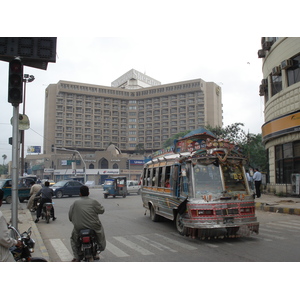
(133, 187)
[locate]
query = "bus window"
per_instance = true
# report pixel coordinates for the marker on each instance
(148, 177)
(160, 171)
(184, 180)
(234, 178)
(207, 180)
(144, 177)
(153, 177)
(175, 180)
(167, 176)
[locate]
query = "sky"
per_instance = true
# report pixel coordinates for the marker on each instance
(170, 41)
(101, 60)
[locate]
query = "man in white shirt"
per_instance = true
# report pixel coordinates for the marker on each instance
(257, 182)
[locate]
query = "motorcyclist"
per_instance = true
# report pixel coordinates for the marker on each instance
(83, 214)
(47, 194)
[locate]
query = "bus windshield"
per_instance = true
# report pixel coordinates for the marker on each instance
(207, 181)
(234, 178)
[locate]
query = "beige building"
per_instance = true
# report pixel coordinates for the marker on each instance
(136, 110)
(136, 114)
(281, 90)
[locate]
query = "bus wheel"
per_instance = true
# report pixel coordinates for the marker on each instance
(154, 217)
(179, 225)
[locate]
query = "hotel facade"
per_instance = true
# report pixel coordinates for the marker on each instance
(280, 88)
(108, 126)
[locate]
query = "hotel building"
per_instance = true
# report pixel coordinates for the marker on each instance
(108, 126)
(135, 110)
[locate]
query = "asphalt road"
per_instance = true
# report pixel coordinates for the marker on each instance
(133, 237)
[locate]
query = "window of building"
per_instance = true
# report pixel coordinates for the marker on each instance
(276, 84)
(287, 161)
(293, 73)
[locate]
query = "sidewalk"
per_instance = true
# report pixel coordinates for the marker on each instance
(26, 220)
(272, 203)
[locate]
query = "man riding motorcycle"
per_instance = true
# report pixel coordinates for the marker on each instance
(83, 214)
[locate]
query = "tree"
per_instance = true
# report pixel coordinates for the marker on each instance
(139, 148)
(251, 144)
(4, 156)
(170, 141)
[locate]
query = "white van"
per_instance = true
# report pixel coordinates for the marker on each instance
(133, 187)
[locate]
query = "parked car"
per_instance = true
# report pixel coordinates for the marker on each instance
(133, 187)
(66, 187)
(23, 189)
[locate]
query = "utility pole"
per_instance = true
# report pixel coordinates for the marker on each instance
(35, 52)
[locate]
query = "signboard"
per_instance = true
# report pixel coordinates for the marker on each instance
(34, 149)
(34, 51)
(66, 162)
(136, 162)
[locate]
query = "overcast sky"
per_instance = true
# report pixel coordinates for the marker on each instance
(167, 40)
(101, 60)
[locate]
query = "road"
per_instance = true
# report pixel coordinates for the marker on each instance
(133, 237)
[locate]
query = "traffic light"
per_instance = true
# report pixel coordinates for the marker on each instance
(15, 82)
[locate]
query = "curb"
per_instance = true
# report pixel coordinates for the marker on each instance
(277, 209)
(37, 237)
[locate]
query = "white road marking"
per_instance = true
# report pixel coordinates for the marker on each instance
(115, 250)
(133, 246)
(61, 250)
(154, 244)
(182, 245)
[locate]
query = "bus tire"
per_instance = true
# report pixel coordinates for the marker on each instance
(154, 217)
(179, 225)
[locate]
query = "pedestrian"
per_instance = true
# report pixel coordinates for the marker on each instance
(35, 187)
(47, 194)
(6, 241)
(249, 179)
(83, 214)
(257, 182)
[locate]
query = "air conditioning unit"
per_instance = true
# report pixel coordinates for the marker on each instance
(286, 64)
(267, 45)
(296, 184)
(261, 53)
(262, 90)
(276, 70)
(264, 82)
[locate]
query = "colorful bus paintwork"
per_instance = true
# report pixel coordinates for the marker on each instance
(202, 187)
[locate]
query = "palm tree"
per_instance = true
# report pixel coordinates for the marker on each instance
(4, 156)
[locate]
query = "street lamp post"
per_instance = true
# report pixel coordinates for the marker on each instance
(76, 151)
(27, 78)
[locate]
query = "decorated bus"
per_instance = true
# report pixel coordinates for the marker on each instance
(201, 184)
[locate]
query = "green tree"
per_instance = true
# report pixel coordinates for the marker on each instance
(250, 143)
(170, 141)
(139, 149)
(4, 156)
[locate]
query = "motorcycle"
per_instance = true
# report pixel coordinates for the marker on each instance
(46, 211)
(23, 253)
(36, 201)
(88, 245)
